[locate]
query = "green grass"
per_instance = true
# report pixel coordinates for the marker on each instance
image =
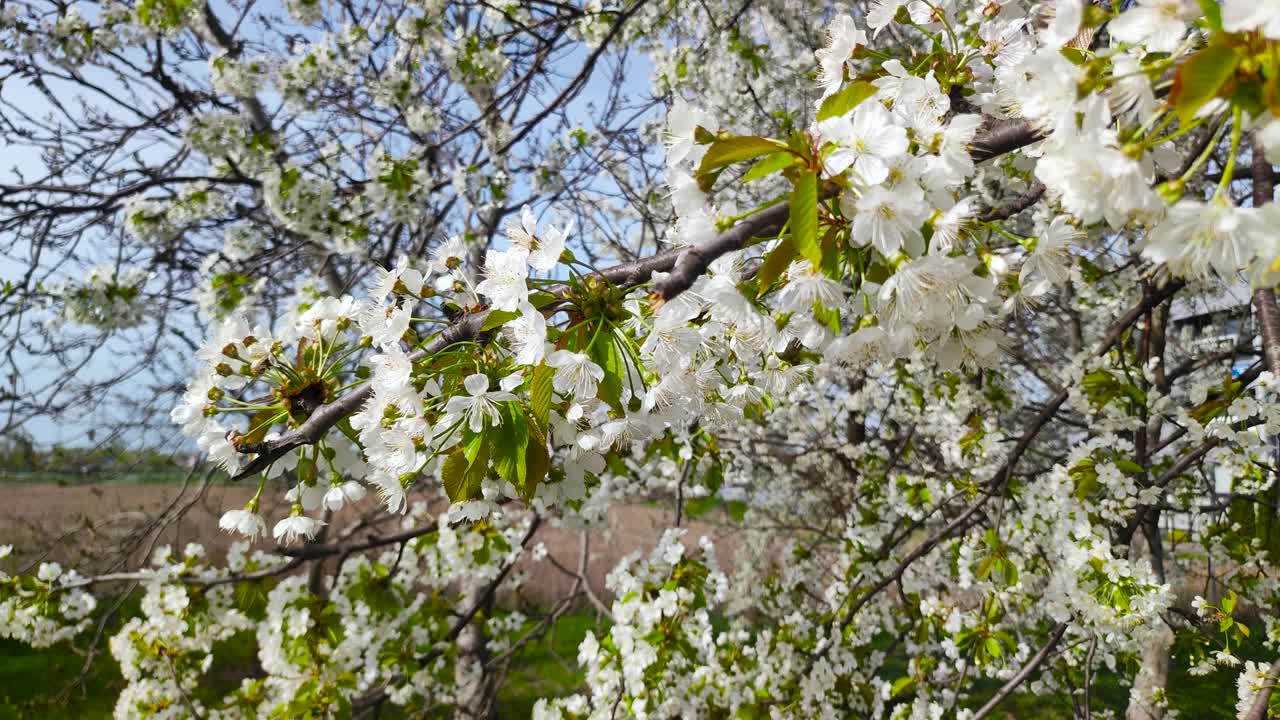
(547, 668)
(41, 683)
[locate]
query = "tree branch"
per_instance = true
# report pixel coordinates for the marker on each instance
(684, 264)
(1264, 299)
(1258, 710)
(1032, 665)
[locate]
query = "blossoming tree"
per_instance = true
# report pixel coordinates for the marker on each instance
(889, 283)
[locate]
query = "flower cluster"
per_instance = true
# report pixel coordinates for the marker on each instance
(108, 297)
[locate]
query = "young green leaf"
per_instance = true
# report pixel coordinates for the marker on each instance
(1199, 79)
(477, 469)
(770, 164)
(1212, 14)
(775, 263)
(540, 393)
(537, 461)
(454, 474)
(510, 441)
(604, 352)
(731, 150)
(804, 218)
(498, 318)
(847, 99)
(697, 507)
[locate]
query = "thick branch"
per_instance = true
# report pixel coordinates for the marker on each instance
(1004, 136)
(1264, 299)
(1015, 206)
(694, 260)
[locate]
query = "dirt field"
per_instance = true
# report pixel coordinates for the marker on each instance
(95, 528)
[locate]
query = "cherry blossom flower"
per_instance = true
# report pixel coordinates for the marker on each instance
(506, 275)
(340, 494)
(576, 375)
(843, 37)
(1049, 262)
(1247, 15)
(528, 335)
(543, 249)
(247, 523)
(682, 122)
(1160, 25)
(1196, 239)
(890, 220)
(410, 278)
(866, 140)
(296, 526)
(480, 405)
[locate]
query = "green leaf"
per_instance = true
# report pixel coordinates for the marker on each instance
(498, 318)
(616, 465)
(537, 462)
(471, 445)
(827, 317)
(604, 352)
(1129, 466)
(770, 164)
(993, 647)
(714, 477)
(1199, 79)
(1212, 14)
(703, 136)
(165, 13)
(1229, 602)
(737, 509)
(400, 178)
(774, 264)
(478, 467)
(845, 100)
(900, 685)
(736, 149)
(540, 393)
(1091, 273)
(541, 298)
(510, 442)
(697, 507)
(454, 474)
(259, 424)
(731, 150)
(804, 218)
(831, 252)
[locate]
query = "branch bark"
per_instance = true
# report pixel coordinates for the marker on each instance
(1258, 710)
(1264, 299)
(1014, 682)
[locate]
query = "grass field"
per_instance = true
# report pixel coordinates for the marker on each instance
(40, 684)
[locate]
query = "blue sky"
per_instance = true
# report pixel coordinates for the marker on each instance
(116, 354)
